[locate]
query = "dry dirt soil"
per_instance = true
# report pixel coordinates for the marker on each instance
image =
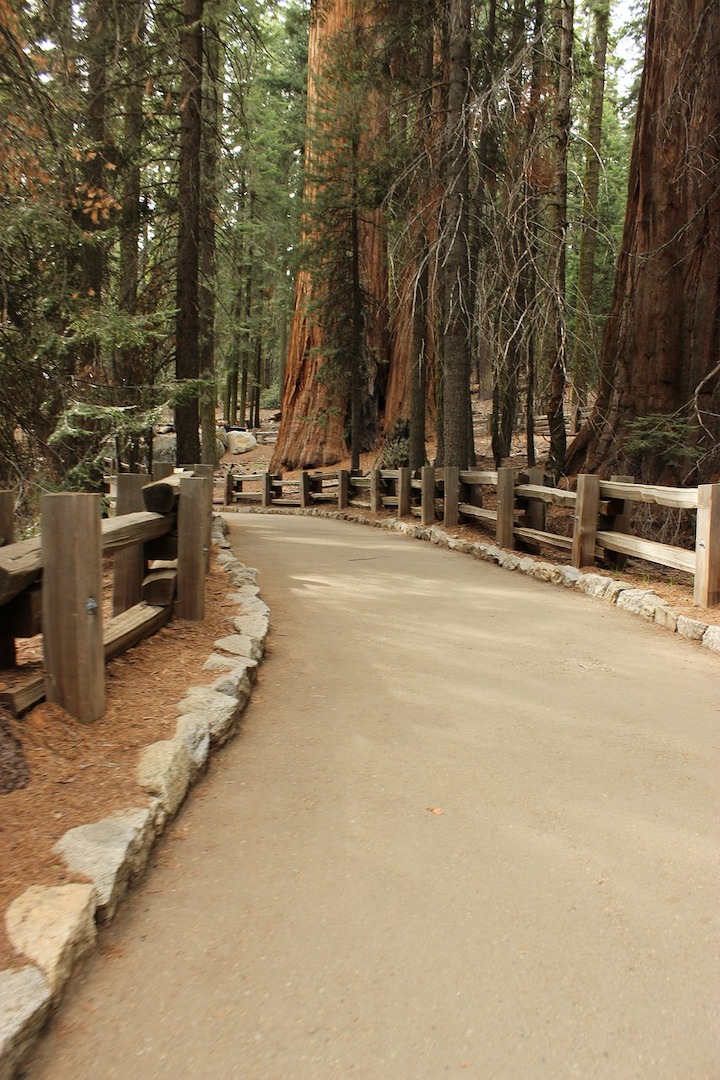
(56, 774)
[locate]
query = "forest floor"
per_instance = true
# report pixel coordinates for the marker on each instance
(56, 774)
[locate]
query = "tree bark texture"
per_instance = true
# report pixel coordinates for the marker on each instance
(414, 341)
(187, 326)
(207, 239)
(555, 338)
(585, 346)
(662, 341)
(313, 410)
(454, 250)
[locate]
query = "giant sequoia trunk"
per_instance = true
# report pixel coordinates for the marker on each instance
(662, 340)
(315, 403)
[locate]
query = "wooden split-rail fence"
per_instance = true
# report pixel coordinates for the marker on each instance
(53, 583)
(515, 505)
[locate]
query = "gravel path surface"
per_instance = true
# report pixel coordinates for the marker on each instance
(469, 828)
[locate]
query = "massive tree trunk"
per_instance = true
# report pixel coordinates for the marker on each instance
(410, 387)
(187, 327)
(662, 340)
(314, 404)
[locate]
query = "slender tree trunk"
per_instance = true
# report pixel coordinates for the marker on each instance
(417, 452)
(209, 213)
(454, 243)
(531, 221)
(98, 42)
(128, 368)
(356, 360)
(187, 327)
(584, 348)
(555, 337)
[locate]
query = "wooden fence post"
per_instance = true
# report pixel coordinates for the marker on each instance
(537, 510)
(706, 592)
(190, 604)
(266, 490)
(403, 491)
(129, 563)
(427, 495)
(229, 489)
(504, 535)
(161, 469)
(375, 500)
(209, 482)
(343, 488)
(7, 536)
(305, 496)
(72, 604)
(451, 496)
(587, 508)
(621, 523)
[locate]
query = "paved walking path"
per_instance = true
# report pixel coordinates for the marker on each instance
(469, 828)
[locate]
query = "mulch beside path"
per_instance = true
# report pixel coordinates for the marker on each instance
(76, 773)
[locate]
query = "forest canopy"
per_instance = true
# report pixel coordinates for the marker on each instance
(362, 214)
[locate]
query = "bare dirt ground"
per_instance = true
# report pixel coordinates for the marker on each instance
(74, 774)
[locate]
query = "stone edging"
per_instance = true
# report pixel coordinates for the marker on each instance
(55, 925)
(641, 602)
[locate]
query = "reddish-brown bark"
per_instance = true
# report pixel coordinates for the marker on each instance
(313, 410)
(662, 340)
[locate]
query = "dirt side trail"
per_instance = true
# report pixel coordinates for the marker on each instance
(469, 828)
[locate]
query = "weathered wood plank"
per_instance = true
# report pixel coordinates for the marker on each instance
(119, 634)
(553, 496)
(473, 476)
(135, 624)
(707, 547)
(72, 604)
(427, 502)
(161, 496)
(505, 508)
(479, 512)
(191, 555)
(7, 535)
(650, 550)
(129, 563)
(159, 587)
(678, 498)
(375, 485)
(343, 492)
(403, 489)
(305, 494)
(26, 693)
(586, 520)
(162, 469)
(539, 537)
(451, 482)
(266, 489)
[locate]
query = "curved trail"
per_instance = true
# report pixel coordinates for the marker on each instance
(469, 828)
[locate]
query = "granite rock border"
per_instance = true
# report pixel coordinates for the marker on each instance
(52, 927)
(644, 603)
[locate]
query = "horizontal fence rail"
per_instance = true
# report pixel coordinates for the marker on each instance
(514, 505)
(52, 584)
